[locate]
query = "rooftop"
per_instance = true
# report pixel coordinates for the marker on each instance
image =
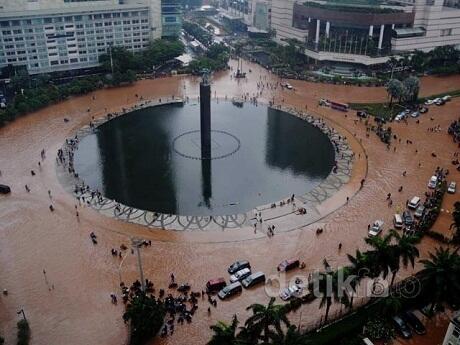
(70, 10)
(356, 6)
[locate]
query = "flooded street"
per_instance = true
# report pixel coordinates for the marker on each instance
(70, 302)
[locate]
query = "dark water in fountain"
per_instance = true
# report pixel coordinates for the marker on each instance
(141, 159)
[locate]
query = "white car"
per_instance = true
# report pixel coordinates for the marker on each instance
(452, 187)
(289, 292)
(429, 102)
(240, 275)
(400, 116)
(446, 98)
(288, 86)
(432, 182)
(376, 228)
(415, 114)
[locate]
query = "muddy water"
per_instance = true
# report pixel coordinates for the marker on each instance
(71, 302)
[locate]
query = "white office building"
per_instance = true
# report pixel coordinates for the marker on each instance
(59, 35)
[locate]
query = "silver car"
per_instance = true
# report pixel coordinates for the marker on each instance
(452, 187)
(289, 292)
(240, 275)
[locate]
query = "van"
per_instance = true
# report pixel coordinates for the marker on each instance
(254, 279)
(367, 341)
(230, 290)
(414, 202)
(214, 285)
(397, 221)
(407, 218)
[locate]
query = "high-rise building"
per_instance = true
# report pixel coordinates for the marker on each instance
(366, 34)
(171, 17)
(59, 35)
(71, 37)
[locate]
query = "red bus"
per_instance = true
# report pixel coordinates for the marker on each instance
(339, 106)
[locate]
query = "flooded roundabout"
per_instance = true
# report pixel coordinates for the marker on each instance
(63, 281)
(145, 166)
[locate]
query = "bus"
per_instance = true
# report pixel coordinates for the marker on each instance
(339, 106)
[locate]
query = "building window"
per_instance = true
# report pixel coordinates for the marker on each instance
(446, 32)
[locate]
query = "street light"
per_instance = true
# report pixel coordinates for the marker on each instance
(23, 314)
(137, 243)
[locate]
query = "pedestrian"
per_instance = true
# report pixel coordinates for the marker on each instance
(27, 188)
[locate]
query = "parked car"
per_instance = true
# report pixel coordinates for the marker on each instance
(287, 265)
(324, 102)
(429, 102)
(238, 266)
(440, 101)
(291, 291)
(407, 218)
(253, 279)
(419, 211)
(230, 290)
(4, 189)
(380, 120)
(367, 341)
(398, 221)
(240, 275)
(402, 327)
(415, 114)
(452, 187)
(362, 113)
(376, 228)
(414, 202)
(401, 116)
(423, 110)
(432, 182)
(414, 322)
(214, 285)
(446, 98)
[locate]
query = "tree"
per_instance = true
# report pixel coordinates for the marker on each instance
(391, 305)
(146, 316)
(404, 250)
(381, 256)
(411, 88)
(224, 334)
(326, 284)
(265, 317)
(441, 275)
(395, 89)
(456, 217)
(292, 337)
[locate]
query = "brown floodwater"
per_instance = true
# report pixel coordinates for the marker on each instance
(71, 304)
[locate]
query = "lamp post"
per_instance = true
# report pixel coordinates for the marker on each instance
(23, 314)
(137, 243)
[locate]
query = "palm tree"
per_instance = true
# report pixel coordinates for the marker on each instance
(391, 305)
(405, 249)
(326, 285)
(353, 281)
(441, 275)
(395, 89)
(456, 217)
(224, 334)
(381, 256)
(264, 317)
(292, 337)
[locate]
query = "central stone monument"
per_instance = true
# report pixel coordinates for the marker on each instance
(205, 116)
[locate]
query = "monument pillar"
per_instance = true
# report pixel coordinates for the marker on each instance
(205, 118)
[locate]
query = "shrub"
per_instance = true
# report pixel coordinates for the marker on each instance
(23, 332)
